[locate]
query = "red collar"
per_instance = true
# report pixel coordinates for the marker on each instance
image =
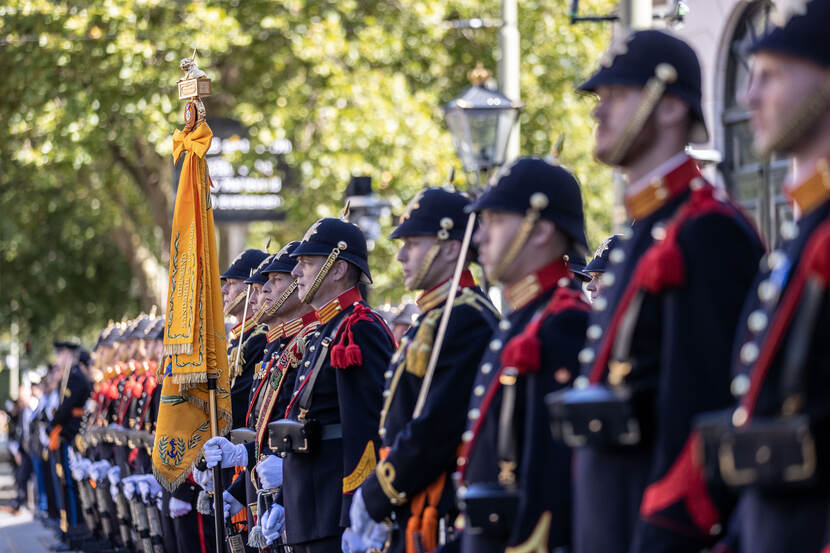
(437, 295)
(535, 284)
(662, 190)
(338, 304)
(291, 328)
(813, 191)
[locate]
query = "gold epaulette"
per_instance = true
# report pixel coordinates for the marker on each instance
(417, 355)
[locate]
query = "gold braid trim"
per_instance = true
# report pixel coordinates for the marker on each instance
(537, 542)
(364, 468)
(426, 263)
(517, 244)
(385, 473)
(234, 302)
(272, 310)
(323, 272)
(261, 329)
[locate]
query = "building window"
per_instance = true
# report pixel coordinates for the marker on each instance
(753, 181)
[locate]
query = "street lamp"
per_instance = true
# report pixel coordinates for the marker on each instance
(480, 121)
(366, 209)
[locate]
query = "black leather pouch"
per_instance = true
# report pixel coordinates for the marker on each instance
(290, 436)
(774, 454)
(597, 416)
(490, 509)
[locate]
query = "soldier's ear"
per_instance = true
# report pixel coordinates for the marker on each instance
(543, 235)
(672, 111)
(451, 250)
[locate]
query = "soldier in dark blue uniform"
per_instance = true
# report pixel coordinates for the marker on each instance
(338, 388)
(75, 388)
(249, 333)
(412, 485)
(290, 322)
(597, 266)
(514, 479)
(782, 349)
(659, 339)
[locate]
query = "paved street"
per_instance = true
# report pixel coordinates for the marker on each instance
(19, 533)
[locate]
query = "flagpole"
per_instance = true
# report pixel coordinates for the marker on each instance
(218, 487)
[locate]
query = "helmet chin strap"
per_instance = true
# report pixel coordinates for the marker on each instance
(429, 258)
(272, 309)
(806, 115)
(234, 303)
(323, 272)
(538, 202)
(664, 75)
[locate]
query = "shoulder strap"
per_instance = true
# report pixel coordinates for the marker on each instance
(308, 389)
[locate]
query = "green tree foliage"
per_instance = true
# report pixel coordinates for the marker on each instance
(89, 105)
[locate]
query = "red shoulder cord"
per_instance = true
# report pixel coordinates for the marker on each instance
(660, 268)
(346, 353)
(523, 352)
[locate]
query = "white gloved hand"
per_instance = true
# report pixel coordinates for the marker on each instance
(230, 504)
(128, 484)
(269, 471)
(43, 437)
(204, 478)
(364, 532)
(179, 508)
(98, 470)
(148, 487)
(220, 450)
(114, 493)
(80, 468)
(159, 502)
(114, 475)
(272, 522)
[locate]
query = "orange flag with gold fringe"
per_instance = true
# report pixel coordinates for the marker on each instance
(194, 329)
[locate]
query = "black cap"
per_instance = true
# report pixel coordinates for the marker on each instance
(434, 210)
(282, 262)
(258, 277)
(600, 260)
(327, 234)
(84, 358)
(632, 60)
(138, 328)
(520, 183)
(157, 332)
(244, 263)
(71, 345)
(801, 31)
(576, 264)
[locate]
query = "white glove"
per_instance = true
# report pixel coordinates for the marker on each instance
(43, 437)
(364, 532)
(159, 502)
(14, 449)
(204, 478)
(272, 523)
(114, 493)
(230, 504)
(269, 471)
(114, 475)
(219, 449)
(148, 487)
(179, 508)
(98, 470)
(128, 484)
(80, 468)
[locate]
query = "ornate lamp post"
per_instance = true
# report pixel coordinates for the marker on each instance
(480, 121)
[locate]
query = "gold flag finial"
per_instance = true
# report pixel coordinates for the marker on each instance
(267, 244)
(344, 213)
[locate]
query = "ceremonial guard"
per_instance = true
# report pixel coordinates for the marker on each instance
(774, 447)
(514, 479)
(411, 485)
(660, 335)
(597, 267)
(74, 390)
(329, 434)
(248, 332)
